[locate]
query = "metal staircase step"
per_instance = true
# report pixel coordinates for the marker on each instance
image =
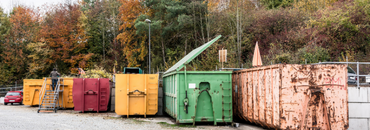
(48, 103)
(49, 98)
(47, 108)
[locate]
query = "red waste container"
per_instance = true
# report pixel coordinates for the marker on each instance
(90, 94)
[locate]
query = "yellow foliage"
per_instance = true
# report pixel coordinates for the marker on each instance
(129, 11)
(350, 54)
(97, 72)
(40, 51)
(312, 5)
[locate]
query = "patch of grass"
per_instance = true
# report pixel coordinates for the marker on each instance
(137, 121)
(165, 124)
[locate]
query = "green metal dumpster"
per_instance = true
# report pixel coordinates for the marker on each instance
(197, 96)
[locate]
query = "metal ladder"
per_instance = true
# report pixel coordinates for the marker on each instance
(50, 100)
(226, 106)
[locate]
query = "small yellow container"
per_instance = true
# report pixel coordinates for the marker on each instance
(136, 94)
(32, 87)
(31, 90)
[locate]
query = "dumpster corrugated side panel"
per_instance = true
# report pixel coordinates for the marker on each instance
(78, 94)
(294, 96)
(136, 94)
(152, 94)
(325, 105)
(67, 93)
(104, 94)
(170, 92)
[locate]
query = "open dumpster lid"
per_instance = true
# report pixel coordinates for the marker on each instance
(189, 57)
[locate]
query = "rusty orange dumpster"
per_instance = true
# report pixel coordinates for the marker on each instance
(136, 94)
(293, 96)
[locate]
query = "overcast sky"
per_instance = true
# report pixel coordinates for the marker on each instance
(8, 4)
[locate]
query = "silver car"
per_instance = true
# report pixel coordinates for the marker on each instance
(352, 79)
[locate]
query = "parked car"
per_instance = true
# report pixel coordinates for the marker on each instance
(13, 97)
(352, 79)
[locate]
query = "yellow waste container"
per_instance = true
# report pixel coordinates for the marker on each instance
(32, 87)
(31, 90)
(136, 94)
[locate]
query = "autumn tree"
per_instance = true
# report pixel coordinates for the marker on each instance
(102, 30)
(25, 29)
(134, 46)
(64, 32)
(4, 25)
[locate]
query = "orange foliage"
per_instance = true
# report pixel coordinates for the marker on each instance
(25, 29)
(65, 34)
(212, 5)
(129, 12)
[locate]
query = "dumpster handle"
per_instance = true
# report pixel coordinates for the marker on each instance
(93, 92)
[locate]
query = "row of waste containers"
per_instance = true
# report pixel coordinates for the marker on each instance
(135, 91)
(283, 96)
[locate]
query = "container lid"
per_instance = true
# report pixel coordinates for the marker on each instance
(189, 57)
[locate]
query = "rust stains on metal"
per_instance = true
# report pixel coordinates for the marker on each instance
(287, 96)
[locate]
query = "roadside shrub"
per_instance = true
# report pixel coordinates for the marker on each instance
(313, 54)
(283, 58)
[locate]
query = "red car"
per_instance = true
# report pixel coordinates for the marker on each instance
(13, 97)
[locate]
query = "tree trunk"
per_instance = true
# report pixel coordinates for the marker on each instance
(237, 31)
(195, 32)
(201, 24)
(207, 23)
(186, 45)
(163, 53)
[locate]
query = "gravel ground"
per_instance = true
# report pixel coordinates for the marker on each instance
(20, 117)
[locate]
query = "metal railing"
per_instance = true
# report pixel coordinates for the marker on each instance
(4, 89)
(357, 68)
(42, 92)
